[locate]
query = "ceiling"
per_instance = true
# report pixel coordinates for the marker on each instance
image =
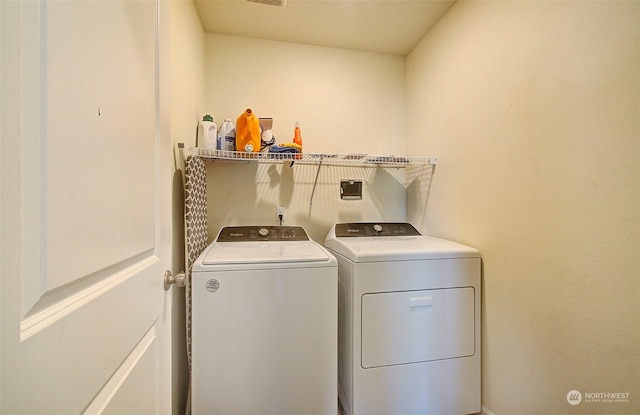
(382, 26)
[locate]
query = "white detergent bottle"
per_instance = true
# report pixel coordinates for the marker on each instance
(227, 136)
(207, 133)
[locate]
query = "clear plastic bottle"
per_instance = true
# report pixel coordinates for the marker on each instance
(227, 136)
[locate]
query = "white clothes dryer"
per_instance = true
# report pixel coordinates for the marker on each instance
(264, 324)
(409, 321)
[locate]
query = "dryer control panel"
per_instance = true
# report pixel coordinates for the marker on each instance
(375, 229)
(262, 233)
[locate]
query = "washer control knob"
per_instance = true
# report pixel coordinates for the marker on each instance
(377, 228)
(263, 232)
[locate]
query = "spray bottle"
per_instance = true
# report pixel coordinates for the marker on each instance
(297, 137)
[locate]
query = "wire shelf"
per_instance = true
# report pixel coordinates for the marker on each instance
(315, 158)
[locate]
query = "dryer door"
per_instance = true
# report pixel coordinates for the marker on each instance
(417, 326)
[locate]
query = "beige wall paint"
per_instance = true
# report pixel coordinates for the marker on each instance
(532, 109)
(346, 101)
(187, 71)
(246, 193)
(186, 80)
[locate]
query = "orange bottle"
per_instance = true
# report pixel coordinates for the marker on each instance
(248, 132)
(297, 138)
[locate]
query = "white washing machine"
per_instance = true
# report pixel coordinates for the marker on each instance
(409, 321)
(264, 324)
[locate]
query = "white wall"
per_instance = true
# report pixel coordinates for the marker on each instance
(532, 109)
(346, 102)
(187, 71)
(186, 67)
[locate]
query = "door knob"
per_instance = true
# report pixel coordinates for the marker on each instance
(169, 279)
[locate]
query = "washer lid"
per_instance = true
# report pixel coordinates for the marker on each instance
(264, 252)
(391, 245)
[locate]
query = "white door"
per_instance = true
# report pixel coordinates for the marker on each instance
(86, 181)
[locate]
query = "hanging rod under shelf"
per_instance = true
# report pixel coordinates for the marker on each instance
(315, 158)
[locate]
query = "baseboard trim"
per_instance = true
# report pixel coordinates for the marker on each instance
(485, 411)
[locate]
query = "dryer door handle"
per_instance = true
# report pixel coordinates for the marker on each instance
(421, 301)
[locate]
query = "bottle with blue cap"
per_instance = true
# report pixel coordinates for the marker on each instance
(227, 136)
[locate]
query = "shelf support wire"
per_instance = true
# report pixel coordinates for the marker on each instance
(315, 182)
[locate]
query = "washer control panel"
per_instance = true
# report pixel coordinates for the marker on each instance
(375, 229)
(262, 233)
